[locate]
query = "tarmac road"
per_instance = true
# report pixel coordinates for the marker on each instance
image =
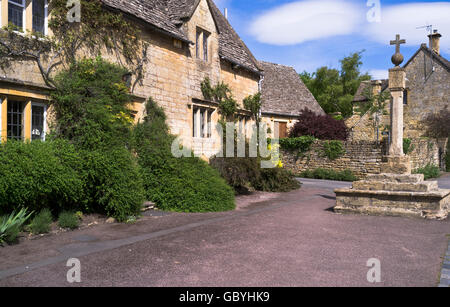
(291, 239)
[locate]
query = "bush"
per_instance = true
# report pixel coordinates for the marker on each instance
(277, 180)
(301, 144)
(430, 171)
(114, 183)
(333, 149)
(41, 223)
(10, 226)
(328, 174)
(68, 219)
(40, 175)
(407, 146)
(323, 127)
(176, 184)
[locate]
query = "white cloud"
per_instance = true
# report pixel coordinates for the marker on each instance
(297, 22)
(404, 19)
(379, 74)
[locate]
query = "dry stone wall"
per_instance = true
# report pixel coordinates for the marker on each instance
(363, 157)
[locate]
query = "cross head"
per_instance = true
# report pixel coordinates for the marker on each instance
(397, 42)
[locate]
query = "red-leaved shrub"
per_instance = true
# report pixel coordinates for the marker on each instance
(323, 127)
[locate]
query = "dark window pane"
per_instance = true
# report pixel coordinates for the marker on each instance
(15, 15)
(39, 16)
(15, 116)
(37, 123)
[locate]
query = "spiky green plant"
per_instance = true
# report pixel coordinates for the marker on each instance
(11, 225)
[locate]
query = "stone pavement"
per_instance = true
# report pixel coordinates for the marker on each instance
(290, 239)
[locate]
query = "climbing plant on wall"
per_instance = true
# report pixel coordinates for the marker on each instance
(99, 30)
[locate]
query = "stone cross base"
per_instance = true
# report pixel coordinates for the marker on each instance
(395, 195)
(396, 165)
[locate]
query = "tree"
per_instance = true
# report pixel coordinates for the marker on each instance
(335, 89)
(99, 30)
(375, 107)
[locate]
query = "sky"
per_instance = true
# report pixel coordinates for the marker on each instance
(308, 34)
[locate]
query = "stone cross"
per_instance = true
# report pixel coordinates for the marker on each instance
(397, 58)
(397, 84)
(397, 42)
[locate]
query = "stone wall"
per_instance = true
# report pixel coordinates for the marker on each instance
(362, 157)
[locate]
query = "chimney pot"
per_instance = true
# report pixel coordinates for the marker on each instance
(435, 41)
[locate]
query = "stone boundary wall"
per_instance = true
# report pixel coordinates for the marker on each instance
(363, 157)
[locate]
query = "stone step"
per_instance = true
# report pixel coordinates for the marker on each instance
(432, 205)
(425, 186)
(416, 178)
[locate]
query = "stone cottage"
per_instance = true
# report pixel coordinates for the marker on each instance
(427, 92)
(284, 96)
(188, 41)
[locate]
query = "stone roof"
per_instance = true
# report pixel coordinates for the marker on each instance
(359, 96)
(439, 58)
(169, 15)
(284, 93)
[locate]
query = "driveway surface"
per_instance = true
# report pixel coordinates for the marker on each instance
(290, 239)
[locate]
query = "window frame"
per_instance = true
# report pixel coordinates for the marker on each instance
(44, 124)
(199, 125)
(24, 12)
(22, 119)
(45, 16)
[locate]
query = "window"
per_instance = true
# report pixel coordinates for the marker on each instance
(405, 97)
(39, 15)
(201, 44)
(201, 122)
(38, 115)
(16, 13)
(15, 120)
(205, 46)
(197, 43)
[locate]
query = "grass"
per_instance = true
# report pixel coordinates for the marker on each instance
(41, 223)
(68, 220)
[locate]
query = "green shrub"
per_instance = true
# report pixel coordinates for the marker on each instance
(40, 175)
(407, 146)
(114, 183)
(68, 219)
(333, 149)
(10, 226)
(41, 223)
(300, 144)
(328, 174)
(277, 180)
(176, 184)
(430, 171)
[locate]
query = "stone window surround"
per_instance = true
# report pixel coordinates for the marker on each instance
(28, 102)
(202, 47)
(27, 15)
(197, 134)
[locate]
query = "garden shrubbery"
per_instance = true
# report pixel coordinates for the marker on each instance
(329, 174)
(178, 184)
(430, 171)
(323, 127)
(40, 175)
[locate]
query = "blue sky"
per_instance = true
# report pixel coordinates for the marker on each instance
(308, 34)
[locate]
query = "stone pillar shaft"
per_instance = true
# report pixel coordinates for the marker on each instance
(397, 84)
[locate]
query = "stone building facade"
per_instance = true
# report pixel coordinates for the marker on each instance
(188, 41)
(427, 92)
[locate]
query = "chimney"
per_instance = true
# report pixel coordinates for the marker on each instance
(226, 13)
(376, 87)
(434, 41)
